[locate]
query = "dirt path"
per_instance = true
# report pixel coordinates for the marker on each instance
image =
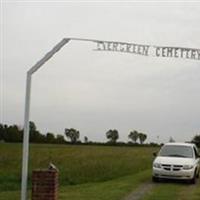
(140, 192)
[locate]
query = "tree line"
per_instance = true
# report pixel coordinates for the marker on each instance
(14, 133)
(112, 135)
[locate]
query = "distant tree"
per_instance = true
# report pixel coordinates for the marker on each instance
(171, 139)
(112, 135)
(17, 132)
(133, 136)
(142, 137)
(50, 138)
(11, 133)
(6, 137)
(41, 138)
(196, 140)
(60, 139)
(72, 134)
(14, 133)
(34, 134)
(1, 131)
(86, 139)
(32, 126)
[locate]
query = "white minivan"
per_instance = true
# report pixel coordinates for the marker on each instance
(177, 161)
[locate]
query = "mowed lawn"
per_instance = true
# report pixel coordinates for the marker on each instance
(90, 172)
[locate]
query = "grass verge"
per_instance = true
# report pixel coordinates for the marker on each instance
(114, 189)
(174, 191)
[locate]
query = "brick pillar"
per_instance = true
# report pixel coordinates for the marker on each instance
(45, 185)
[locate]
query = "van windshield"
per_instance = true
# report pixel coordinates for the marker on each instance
(176, 151)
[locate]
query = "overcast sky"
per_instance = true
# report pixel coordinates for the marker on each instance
(95, 91)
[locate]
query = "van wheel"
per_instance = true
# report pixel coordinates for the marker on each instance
(198, 174)
(155, 179)
(193, 180)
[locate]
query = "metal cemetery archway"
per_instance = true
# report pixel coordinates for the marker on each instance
(140, 49)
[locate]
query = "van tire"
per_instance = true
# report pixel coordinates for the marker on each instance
(155, 179)
(198, 174)
(193, 180)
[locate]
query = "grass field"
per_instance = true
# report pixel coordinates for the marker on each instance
(90, 172)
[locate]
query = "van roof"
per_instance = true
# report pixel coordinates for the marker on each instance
(180, 144)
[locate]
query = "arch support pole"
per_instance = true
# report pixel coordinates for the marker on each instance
(25, 158)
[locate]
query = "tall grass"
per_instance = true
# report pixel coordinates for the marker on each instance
(76, 164)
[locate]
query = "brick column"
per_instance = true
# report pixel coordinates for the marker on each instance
(45, 185)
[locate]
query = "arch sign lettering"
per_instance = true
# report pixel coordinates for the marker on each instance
(144, 49)
(112, 46)
(148, 50)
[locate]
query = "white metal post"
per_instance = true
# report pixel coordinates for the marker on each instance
(27, 114)
(26, 138)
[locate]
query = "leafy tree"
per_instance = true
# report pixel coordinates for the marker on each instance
(41, 138)
(196, 140)
(86, 139)
(60, 139)
(5, 135)
(50, 138)
(11, 133)
(32, 126)
(112, 135)
(35, 135)
(72, 134)
(142, 137)
(1, 131)
(33, 132)
(14, 133)
(133, 136)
